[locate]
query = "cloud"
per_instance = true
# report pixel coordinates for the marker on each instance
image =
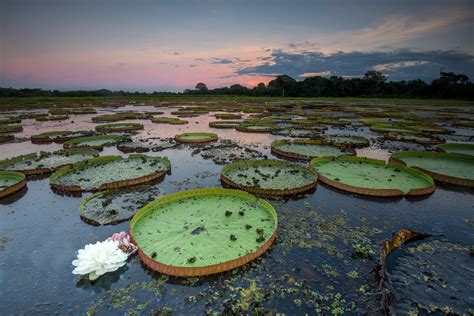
(403, 64)
(221, 61)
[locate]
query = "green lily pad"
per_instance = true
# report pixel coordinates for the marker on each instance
(58, 136)
(10, 128)
(304, 149)
(121, 117)
(203, 231)
(445, 167)
(96, 142)
(458, 148)
(11, 182)
(118, 127)
(371, 177)
(272, 177)
(109, 172)
(227, 116)
(116, 206)
(196, 137)
(44, 162)
(348, 141)
(224, 124)
(169, 120)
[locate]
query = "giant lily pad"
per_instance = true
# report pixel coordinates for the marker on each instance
(227, 116)
(348, 141)
(115, 206)
(109, 172)
(196, 137)
(458, 148)
(255, 128)
(413, 138)
(269, 177)
(10, 128)
(168, 120)
(11, 182)
(445, 167)
(118, 127)
(153, 144)
(95, 142)
(121, 117)
(304, 149)
(224, 124)
(45, 162)
(371, 177)
(204, 231)
(58, 136)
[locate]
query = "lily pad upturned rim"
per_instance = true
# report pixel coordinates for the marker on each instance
(14, 187)
(70, 143)
(224, 124)
(365, 142)
(395, 158)
(209, 269)
(10, 128)
(415, 138)
(169, 120)
(110, 185)
(261, 191)
(118, 127)
(40, 171)
(449, 146)
(369, 191)
(246, 128)
(206, 137)
(275, 150)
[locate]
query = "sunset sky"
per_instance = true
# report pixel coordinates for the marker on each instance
(172, 45)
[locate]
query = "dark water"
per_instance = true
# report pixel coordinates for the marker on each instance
(309, 269)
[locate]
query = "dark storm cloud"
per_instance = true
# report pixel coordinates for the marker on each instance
(398, 65)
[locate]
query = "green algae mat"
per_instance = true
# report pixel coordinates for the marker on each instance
(196, 137)
(109, 172)
(371, 177)
(445, 167)
(118, 127)
(269, 177)
(203, 231)
(11, 182)
(304, 149)
(459, 148)
(45, 162)
(115, 206)
(96, 142)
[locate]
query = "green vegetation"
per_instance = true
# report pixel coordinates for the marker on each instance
(458, 148)
(168, 120)
(93, 174)
(269, 175)
(304, 149)
(118, 127)
(203, 227)
(371, 174)
(8, 179)
(96, 142)
(196, 137)
(46, 161)
(121, 117)
(448, 164)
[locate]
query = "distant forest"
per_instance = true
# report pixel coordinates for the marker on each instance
(372, 84)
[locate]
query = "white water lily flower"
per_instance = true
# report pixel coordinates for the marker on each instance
(99, 258)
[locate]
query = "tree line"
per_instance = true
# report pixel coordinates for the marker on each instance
(372, 84)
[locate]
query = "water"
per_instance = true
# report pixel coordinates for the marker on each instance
(310, 268)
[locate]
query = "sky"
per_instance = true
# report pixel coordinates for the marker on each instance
(171, 45)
